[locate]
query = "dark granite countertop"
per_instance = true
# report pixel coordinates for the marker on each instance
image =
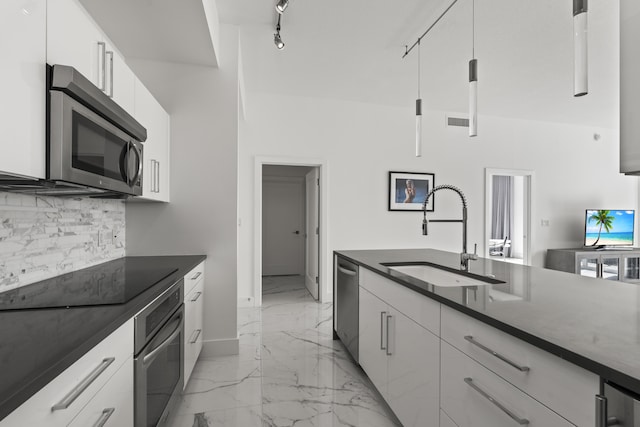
(593, 323)
(36, 345)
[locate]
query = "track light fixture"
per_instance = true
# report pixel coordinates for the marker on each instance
(277, 39)
(418, 113)
(281, 6)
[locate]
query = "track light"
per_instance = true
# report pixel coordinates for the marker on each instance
(277, 40)
(580, 56)
(281, 6)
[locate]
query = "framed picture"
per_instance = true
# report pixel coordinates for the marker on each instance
(407, 191)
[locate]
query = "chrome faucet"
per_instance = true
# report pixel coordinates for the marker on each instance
(464, 256)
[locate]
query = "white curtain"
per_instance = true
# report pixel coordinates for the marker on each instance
(502, 209)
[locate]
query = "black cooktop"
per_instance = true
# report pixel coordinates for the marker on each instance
(113, 282)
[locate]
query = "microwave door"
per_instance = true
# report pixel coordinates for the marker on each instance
(88, 150)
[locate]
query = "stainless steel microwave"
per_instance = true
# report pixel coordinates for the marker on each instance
(92, 141)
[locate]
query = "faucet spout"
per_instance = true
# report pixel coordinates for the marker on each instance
(464, 256)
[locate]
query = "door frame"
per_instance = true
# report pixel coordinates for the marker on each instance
(323, 243)
(529, 178)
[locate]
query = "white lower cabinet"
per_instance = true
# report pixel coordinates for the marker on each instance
(473, 396)
(193, 328)
(562, 386)
(112, 406)
(402, 360)
(65, 397)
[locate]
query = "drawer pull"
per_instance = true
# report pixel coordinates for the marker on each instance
(194, 299)
(82, 385)
(198, 274)
(197, 334)
(496, 354)
(389, 353)
(382, 315)
(106, 414)
(514, 417)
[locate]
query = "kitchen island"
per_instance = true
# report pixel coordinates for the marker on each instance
(592, 324)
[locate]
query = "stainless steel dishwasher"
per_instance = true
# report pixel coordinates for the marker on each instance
(617, 407)
(345, 304)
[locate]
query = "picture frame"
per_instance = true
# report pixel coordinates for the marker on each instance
(402, 199)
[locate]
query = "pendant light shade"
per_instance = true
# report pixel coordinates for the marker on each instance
(418, 127)
(418, 113)
(473, 97)
(580, 52)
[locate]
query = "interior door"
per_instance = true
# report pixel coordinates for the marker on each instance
(312, 204)
(283, 205)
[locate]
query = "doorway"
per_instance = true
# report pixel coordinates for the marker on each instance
(508, 215)
(288, 197)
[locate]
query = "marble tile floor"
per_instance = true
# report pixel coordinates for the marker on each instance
(290, 371)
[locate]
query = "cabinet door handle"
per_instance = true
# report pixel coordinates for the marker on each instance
(109, 54)
(82, 385)
(389, 353)
(157, 177)
(196, 297)
(514, 417)
(496, 354)
(195, 338)
(382, 315)
(198, 274)
(102, 66)
(104, 417)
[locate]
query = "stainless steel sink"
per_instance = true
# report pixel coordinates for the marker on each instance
(440, 277)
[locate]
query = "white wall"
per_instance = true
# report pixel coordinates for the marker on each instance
(361, 143)
(201, 218)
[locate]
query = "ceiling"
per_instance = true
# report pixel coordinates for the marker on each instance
(159, 30)
(353, 51)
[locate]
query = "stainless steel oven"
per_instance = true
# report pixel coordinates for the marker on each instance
(92, 141)
(158, 357)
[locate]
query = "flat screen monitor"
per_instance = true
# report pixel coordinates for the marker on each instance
(609, 228)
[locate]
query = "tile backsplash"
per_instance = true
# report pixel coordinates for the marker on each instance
(42, 237)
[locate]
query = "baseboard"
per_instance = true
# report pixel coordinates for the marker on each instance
(224, 347)
(245, 302)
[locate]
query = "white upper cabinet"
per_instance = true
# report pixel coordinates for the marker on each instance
(74, 39)
(155, 180)
(23, 47)
(119, 79)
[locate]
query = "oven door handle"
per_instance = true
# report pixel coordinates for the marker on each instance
(154, 353)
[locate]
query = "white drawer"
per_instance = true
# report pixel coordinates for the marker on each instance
(113, 404)
(468, 406)
(417, 307)
(193, 328)
(560, 385)
(193, 277)
(100, 363)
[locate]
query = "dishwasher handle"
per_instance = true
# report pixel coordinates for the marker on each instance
(347, 271)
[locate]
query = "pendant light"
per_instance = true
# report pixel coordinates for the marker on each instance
(580, 53)
(281, 6)
(473, 78)
(418, 113)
